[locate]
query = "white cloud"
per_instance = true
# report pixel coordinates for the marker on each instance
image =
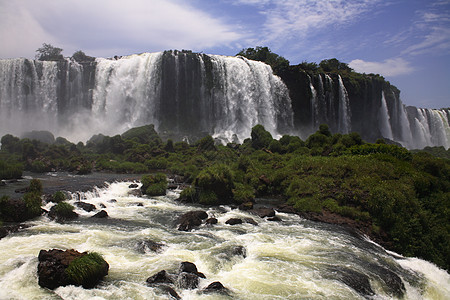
(436, 41)
(103, 24)
(390, 67)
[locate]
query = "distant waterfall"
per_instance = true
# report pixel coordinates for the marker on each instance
(384, 119)
(344, 110)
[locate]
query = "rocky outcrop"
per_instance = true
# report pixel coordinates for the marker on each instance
(190, 220)
(85, 206)
(186, 277)
(70, 267)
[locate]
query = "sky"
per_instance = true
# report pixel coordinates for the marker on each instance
(406, 41)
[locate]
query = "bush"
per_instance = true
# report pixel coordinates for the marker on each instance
(58, 197)
(243, 193)
(10, 170)
(154, 184)
(33, 203)
(218, 180)
(87, 270)
(260, 137)
(63, 211)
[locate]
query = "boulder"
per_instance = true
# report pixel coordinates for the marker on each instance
(250, 221)
(353, 279)
(211, 221)
(160, 277)
(170, 291)
(70, 267)
(191, 219)
(233, 221)
(62, 211)
(149, 245)
(188, 267)
(135, 192)
(100, 215)
(274, 219)
(215, 287)
(188, 280)
(133, 186)
(239, 251)
(85, 206)
(263, 212)
(246, 206)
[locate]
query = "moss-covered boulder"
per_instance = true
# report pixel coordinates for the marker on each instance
(70, 267)
(62, 211)
(154, 184)
(215, 185)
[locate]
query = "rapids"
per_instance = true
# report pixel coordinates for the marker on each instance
(292, 259)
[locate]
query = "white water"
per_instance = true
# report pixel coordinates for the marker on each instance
(384, 119)
(344, 120)
(287, 260)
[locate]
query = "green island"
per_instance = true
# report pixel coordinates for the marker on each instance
(397, 197)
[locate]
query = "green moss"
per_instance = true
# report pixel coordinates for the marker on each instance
(154, 184)
(87, 270)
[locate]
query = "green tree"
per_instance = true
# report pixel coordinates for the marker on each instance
(80, 56)
(330, 65)
(264, 54)
(49, 52)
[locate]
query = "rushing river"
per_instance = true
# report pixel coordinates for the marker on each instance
(292, 259)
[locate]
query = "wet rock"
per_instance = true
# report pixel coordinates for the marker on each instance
(188, 267)
(274, 219)
(7, 229)
(233, 221)
(188, 280)
(102, 205)
(246, 206)
(288, 209)
(170, 291)
(64, 214)
(263, 212)
(133, 186)
(112, 201)
(85, 206)
(215, 287)
(149, 245)
(172, 186)
(54, 263)
(239, 251)
(136, 192)
(101, 214)
(137, 204)
(211, 221)
(250, 221)
(191, 219)
(355, 280)
(160, 277)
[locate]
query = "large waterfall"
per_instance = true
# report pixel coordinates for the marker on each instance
(181, 93)
(190, 94)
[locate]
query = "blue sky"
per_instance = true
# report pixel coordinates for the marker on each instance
(406, 41)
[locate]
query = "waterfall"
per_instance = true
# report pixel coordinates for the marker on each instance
(384, 119)
(314, 105)
(181, 93)
(344, 125)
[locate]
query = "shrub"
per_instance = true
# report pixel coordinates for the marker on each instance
(218, 180)
(87, 270)
(261, 138)
(58, 197)
(38, 166)
(33, 203)
(154, 184)
(35, 186)
(10, 170)
(63, 210)
(243, 193)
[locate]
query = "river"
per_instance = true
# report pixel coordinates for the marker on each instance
(291, 259)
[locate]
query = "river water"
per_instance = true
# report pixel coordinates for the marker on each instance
(291, 259)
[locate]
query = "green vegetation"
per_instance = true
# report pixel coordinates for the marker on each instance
(49, 52)
(87, 269)
(264, 54)
(154, 184)
(399, 196)
(58, 196)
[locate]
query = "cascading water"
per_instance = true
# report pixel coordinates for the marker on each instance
(185, 94)
(291, 259)
(384, 119)
(344, 125)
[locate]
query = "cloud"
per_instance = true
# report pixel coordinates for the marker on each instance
(390, 67)
(436, 41)
(103, 24)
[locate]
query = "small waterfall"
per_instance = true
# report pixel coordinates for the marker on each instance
(314, 105)
(384, 119)
(439, 127)
(344, 125)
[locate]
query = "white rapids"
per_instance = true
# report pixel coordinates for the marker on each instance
(292, 259)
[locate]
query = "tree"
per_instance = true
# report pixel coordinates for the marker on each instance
(80, 56)
(329, 65)
(49, 52)
(264, 54)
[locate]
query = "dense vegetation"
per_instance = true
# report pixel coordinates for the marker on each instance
(401, 197)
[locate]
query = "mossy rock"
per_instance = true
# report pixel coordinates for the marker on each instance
(87, 270)
(62, 211)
